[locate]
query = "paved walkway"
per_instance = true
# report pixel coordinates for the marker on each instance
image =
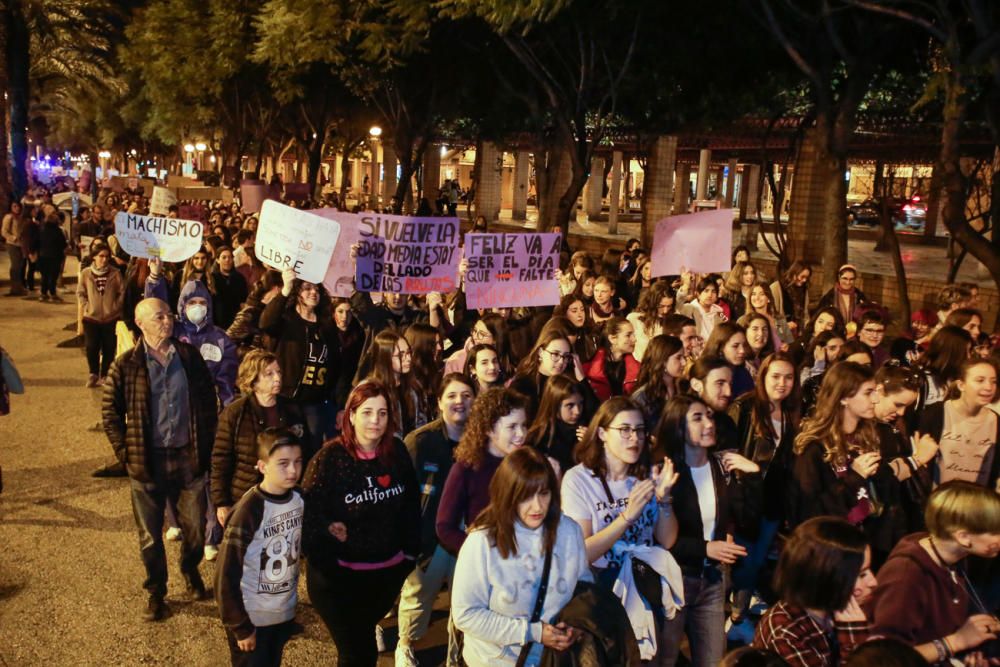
(70, 574)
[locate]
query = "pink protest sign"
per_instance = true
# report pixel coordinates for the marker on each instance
(339, 280)
(406, 255)
(509, 270)
(253, 194)
(698, 242)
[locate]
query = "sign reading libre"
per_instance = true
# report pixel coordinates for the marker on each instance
(509, 270)
(406, 255)
(170, 239)
(290, 238)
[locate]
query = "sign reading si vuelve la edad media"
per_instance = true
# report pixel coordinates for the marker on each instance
(170, 239)
(291, 238)
(510, 270)
(406, 255)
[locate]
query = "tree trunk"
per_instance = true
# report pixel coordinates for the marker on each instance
(18, 65)
(314, 157)
(5, 192)
(953, 181)
(831, 165)
(409, 158)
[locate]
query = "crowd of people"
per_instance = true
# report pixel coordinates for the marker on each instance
(698, 461)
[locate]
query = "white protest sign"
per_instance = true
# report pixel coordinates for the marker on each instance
(162, 200)
(698, 242)
(170, 239)
(300, 240)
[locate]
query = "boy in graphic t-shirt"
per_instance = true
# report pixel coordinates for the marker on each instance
(258, 572)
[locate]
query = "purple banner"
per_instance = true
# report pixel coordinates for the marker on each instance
(406, 255)
(252, 194)
(510, 270)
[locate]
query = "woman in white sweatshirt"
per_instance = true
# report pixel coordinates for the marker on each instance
(501, 567)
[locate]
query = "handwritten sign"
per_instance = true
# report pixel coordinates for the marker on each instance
(509, 270)
(170, 239)
(406, 255)
(300, 240)
(699, 242)
(162, 200)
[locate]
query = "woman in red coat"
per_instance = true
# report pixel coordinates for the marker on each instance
(614, 371)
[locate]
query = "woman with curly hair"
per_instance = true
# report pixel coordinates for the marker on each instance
(659, 377)
(496, 427)
(300, 319)
(738, 284)
(837, 450)
(389, 361)
(656, 303)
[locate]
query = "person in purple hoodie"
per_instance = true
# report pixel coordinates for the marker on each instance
(194, 325)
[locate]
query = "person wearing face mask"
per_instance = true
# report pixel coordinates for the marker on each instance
(194, 326)
(824, 577)
(432, 449)
(259, 407)
(925, 597)
(101, 292)
(837, 452)
(230, 288)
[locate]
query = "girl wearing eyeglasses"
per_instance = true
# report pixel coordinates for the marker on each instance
(612, 495)
(715, 497)
(389, 361)
(551, 355)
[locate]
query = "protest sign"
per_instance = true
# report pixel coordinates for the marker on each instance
(339, 280)
(170, 239)
(133, 183)
(406, 255)
(253, 194)
(509, 270)
(193, 212)
(147, 185)
(162, 200)
(198, 193)
(698, 242)
(175, 181)
(116, 183)
(290, 238)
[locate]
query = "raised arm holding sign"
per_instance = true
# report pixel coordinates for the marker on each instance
(147, 236)
(291, 238)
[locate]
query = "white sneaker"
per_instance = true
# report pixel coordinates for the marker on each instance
(211, 552)
(174, 534)
(380, 639)
(405, 656)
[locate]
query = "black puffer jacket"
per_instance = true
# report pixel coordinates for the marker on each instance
(234, 455)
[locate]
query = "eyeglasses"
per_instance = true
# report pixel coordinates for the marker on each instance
(874, 332)
(481, 334)
(559, 355)
(626, 432)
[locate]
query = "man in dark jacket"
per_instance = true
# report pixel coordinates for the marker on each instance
(159, 414)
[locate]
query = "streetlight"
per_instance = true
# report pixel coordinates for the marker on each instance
(373, 182)
(200, 146)
(375, 131)
(189, 148)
